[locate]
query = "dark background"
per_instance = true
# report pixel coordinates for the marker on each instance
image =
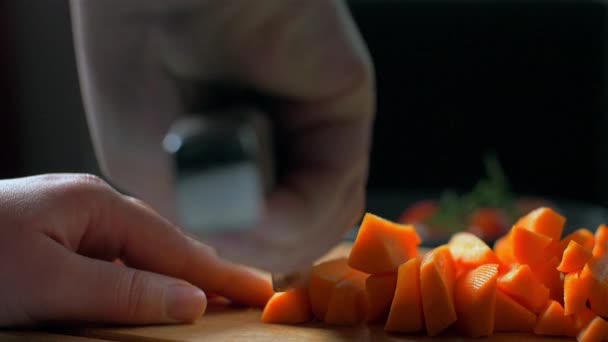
(526, 79)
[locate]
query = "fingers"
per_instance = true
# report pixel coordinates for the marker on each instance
(83, 289)
(85, 215)
(147, 241)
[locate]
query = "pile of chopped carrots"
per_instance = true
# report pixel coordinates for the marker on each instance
(533, 281)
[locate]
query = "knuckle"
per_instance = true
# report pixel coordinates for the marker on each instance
(79, 182)
(89, 180)
(81, 187)
(140, 203)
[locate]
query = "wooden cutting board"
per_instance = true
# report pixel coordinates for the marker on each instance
(222, 323)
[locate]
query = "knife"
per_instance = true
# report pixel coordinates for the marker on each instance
(224, 168)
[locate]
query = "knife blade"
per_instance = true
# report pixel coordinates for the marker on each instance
(224, 167)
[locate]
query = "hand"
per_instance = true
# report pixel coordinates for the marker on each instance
(306, 54)
(59, 235)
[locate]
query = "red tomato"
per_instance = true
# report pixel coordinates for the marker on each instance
(488, 223)
(419, 212)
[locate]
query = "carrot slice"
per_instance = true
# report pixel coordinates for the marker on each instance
(348, 302)
(381, 245)
(553, 322)
(550, 277)
(596, 273)
(544, 221)
(475, 299)
(529, 246)
(583, 318)
(597, 330)
(503, 248)
(583, 236)
(511, 316)
(574, 258)
(323, 279)
(437, 277)
(380, 290)
(521, 284)
(576, 290)
(406, 310)
(601, 241)
(469, 251)
(290, 307)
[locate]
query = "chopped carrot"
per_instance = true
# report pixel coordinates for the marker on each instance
(475, 299)
(437, 277)
(596, 273)
(583, 236)
(503, 248)
(550, 277)
(348, 302)
(511, 316)
(601, 241)
(554, 250)
(597, 330)
(406, 310)
(521, 284)
(529, 246)
(290, 307)
(583, 318)
(469, 251)
(554, 322)
(544, 221)
(574, 258)
(575, 293)
(381, 245)
(323, 279)
(380, 289)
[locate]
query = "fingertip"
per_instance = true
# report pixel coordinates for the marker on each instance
(185, 303)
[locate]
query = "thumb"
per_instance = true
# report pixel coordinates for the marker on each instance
(95, 290)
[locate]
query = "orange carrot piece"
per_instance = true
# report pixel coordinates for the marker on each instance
(544, 221)
(380, 289)
(323, 279)
(437, 278)
(503, 248)
(382, 245)
(601, 241)
(554, 250)
(553, 322)
(596, 273)
(583, 318)
(475, 299)
(574, 258)
(290, 307)
(550, 277)
(597, 330)
(576, 291)
(406, 310)
(469, 251)
(583, 236)
(521, 284)
(348, 302)
(511, 316)
(529, 246)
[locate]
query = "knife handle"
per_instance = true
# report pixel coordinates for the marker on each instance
(223, 157)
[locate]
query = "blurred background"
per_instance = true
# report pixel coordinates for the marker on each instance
(525, 80)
